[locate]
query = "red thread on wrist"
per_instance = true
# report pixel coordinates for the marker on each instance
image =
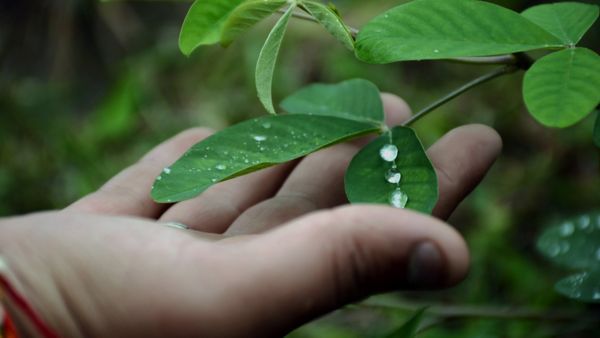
(27, 310)
(8, 328)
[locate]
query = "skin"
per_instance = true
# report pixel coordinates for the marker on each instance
(265, 253)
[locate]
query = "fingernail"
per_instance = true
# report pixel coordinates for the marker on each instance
(425, 267)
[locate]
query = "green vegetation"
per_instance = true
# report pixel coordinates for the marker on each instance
(71, 118)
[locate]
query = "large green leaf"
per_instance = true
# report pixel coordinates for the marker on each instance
(568, 21)
(562, 88)
(439, 29)
(393, 169)
(250, 146)
(410, 327)
(583, 287)
(331, 21)
(265, 67)
(355, 99)
(247, 15)
(573, 243)
(204, 23)
(597, 129)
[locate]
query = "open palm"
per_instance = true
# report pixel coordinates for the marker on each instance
(264, 254)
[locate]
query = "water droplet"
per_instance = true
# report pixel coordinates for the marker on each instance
(584, 222)
(263, 148)
(399, 199)
(567, 229)
(159, 178)
(259, 138)
(221, 167)
(214, 180)
(393, 176)
(436, 50)
(554, 250)
(246, 161)
(389, 152)
(167, 171)
(266, 125)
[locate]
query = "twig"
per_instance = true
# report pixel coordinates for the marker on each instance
(489, 312)
(457, 92)
(306, 17)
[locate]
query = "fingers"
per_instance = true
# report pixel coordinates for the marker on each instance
(461, 159)
(128, 193)
(316, 183)
(218, 207)
(328, 259)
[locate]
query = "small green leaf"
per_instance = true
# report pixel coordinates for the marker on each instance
(568, 21)
(250, 146)
(439, 29)
(597, 129)
(331, 21)
(562, 88)
(573, 243)
(410, 327)
(393, 170)
(584, 287)
(353, 99)
(265, 66)
(204, 23)
(247, 15)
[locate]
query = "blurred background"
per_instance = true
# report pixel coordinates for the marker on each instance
(88, 87)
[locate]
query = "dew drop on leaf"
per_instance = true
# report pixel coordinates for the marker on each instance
(221, 167)
(399, 199)
(393, 176)
(266, 125)
(259, 138)
(167, 171)
(567, 229)
(389, 152)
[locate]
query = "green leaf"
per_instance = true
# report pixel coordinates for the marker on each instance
(568, 21)
(573, 243)
(410, 327)
(369, 175)
(584, 287)
(562, 88)
(247, 15)
(265, 66)
(439, 29)
(250, 146)
(355, 99)
(204, 23)
(327, 17)
(597, 129)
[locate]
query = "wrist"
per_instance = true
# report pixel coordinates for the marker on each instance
(23, 312)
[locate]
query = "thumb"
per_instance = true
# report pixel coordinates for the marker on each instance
(320, 262)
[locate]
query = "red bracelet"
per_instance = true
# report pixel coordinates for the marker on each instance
(7, 328)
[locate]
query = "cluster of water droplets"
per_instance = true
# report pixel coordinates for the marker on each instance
(398, 198)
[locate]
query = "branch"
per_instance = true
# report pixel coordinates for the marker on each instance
(490, 312)
(308, 17)
(457, 92)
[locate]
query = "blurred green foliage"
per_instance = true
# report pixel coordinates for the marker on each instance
(87, 87)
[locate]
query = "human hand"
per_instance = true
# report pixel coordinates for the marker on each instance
(265, 253)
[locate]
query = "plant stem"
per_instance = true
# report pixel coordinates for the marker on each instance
(307, 17)
(508, 59)
(490, 312)
(462, 89)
